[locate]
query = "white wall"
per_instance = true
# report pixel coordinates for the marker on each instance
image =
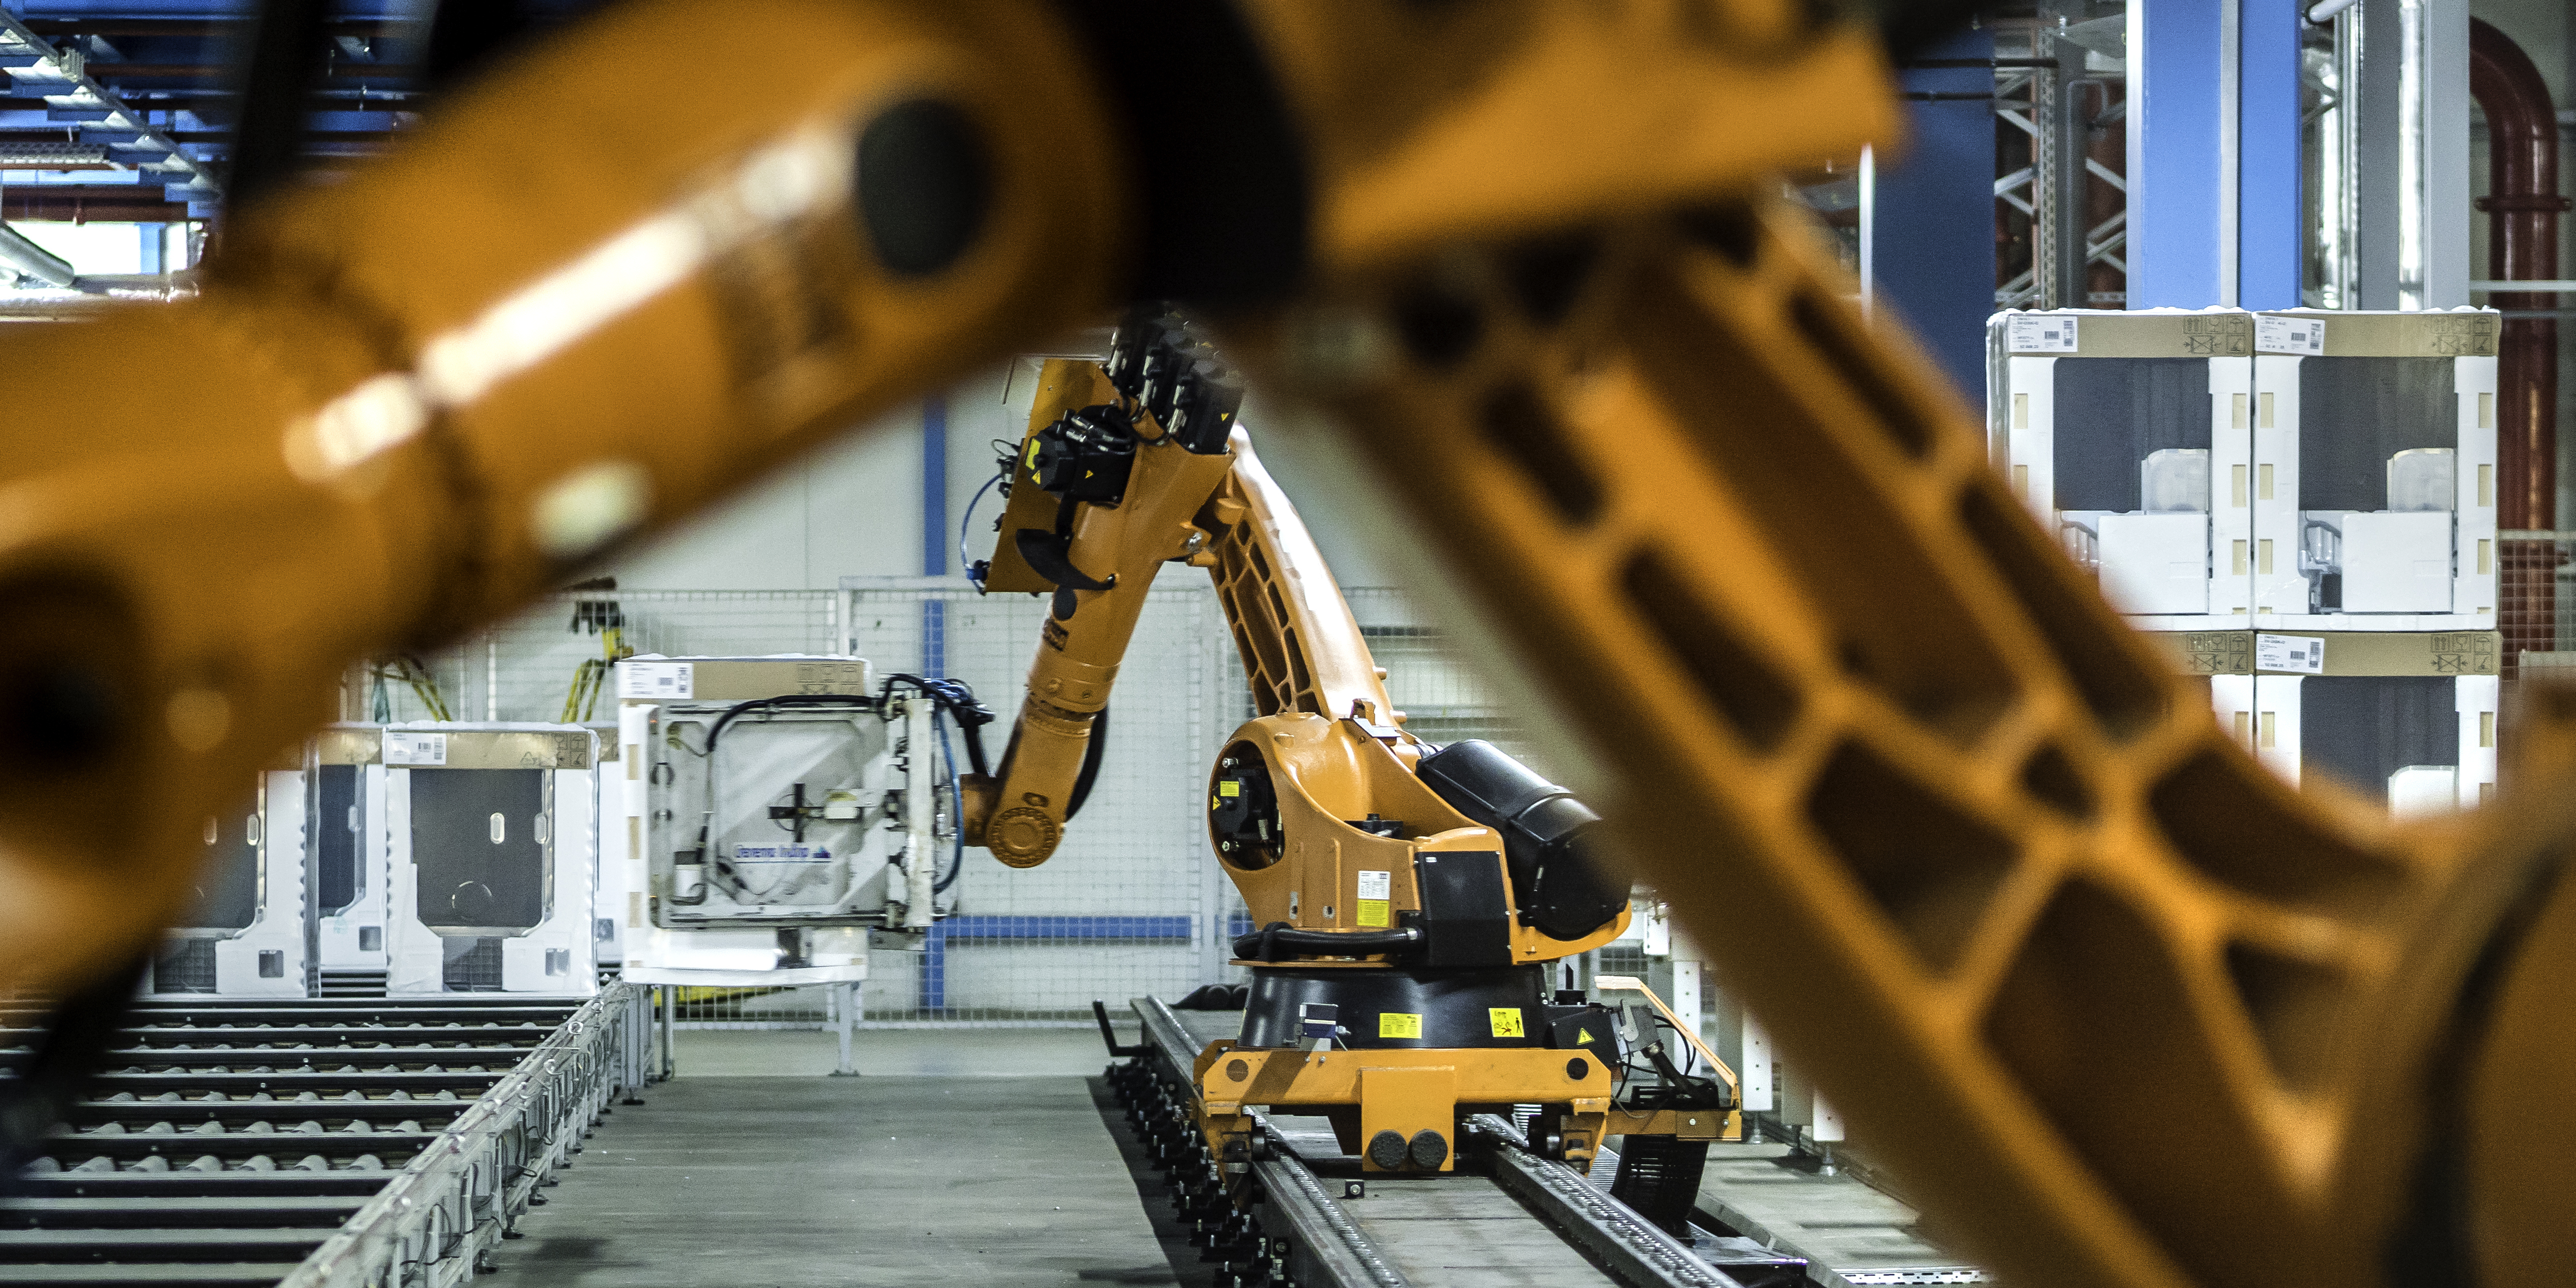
(855, 508)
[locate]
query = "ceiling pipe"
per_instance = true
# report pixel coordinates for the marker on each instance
(27, 259)
(2522, 245)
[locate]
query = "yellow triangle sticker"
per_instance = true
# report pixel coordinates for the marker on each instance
(1584, 1038)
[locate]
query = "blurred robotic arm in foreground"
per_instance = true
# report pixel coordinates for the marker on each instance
(2121, 1009)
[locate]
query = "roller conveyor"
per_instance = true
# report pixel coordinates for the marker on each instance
(267, 1143)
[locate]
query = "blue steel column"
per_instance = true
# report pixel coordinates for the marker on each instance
(934, 635)
(2271, 210)
(2204, 171)
(1932, 251)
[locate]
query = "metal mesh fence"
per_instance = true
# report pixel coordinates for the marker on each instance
(2536, 603)
(1442, 700)
(1132, 903)
(526, 668)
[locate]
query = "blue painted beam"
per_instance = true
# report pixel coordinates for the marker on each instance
(1083, 930)
(2272, 212)
(2182, 143)
(932, 992)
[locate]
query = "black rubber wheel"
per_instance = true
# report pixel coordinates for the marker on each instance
(1387, 1149)
(1429, 1150)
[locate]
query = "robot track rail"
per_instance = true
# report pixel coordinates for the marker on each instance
(1317, 1222)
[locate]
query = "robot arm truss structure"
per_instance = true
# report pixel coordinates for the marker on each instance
(2121, 1009)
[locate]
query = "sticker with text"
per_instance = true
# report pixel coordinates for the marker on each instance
(1506, 1021)
(1397, 1024)
(2040, 333)
(2305, 654)
(656, 679)
(415, 748)
(782, 853)
(2305, 337)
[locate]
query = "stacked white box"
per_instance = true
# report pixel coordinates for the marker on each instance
(243, 934)
(770, 821)
(345, 857)
(609, 891)
(2351, 542)
(492, 841)
(2126, 434)
(2375, 456)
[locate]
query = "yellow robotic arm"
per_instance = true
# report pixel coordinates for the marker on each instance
(1322, 805)
(2120, 1009)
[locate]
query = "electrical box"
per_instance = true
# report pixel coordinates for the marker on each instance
(2126, 434)
(2375, 446)
(782, 810)
(345, 856)
(243, 933)
(492, 838)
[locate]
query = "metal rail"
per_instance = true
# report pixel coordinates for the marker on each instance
(1327, 1248)
(1637, 1250)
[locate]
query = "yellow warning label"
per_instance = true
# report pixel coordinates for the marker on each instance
(1396, 1024)
(1229, 788)
(1373, 912)
(1585, 1038)
(1506, 1021)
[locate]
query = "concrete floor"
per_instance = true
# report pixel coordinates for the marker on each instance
(867, 1182)
(942, 1053)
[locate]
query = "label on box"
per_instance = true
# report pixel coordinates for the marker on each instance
(782, 853)
(2040, 333)
(415, 748)
(2305, 337)
(1377, 885)
(656, 679)
(2302, 653)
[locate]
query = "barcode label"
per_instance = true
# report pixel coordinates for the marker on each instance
(2305, 337)
(2305, 654)
(415, 748)
(656, 679)
(2040, 333)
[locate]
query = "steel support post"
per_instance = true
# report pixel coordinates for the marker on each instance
(2214, 79)
(1933, 257)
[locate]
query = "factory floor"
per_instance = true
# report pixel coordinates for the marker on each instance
(976, 1156)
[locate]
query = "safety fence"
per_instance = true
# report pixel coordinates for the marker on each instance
(549, 663)
(2536, 603)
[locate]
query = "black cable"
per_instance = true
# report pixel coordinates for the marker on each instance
(959, 700)
(789, 700)
(1091, 753)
